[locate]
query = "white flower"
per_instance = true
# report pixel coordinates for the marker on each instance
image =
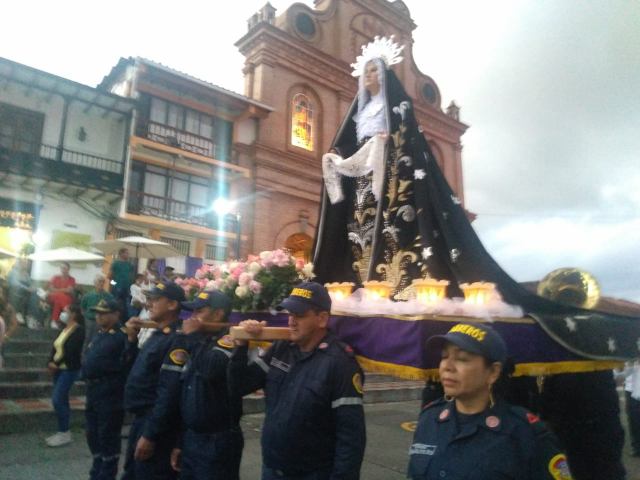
(254, 267)
(211, 285)
(242, 291)
(307, 271)
(419, 174)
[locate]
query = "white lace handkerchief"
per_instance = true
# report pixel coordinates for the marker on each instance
(370, 158)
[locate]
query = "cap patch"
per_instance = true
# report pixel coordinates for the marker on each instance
(226, 341)
(179, 356)
(203, 295)
(357, 383)
(559, 468)
(492, 421)
(470, 330)
(301, 292)
(160, 286)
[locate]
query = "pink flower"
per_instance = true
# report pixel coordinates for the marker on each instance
(245, 278)
(255, 287)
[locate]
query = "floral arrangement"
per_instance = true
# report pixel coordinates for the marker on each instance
(259, 283)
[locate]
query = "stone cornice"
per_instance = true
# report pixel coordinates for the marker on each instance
(266, 43)
(386, 11)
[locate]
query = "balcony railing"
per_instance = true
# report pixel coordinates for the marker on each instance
(179, 138)
(142, 203)
(12, 146)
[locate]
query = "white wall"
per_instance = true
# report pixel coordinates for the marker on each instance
(105, 136)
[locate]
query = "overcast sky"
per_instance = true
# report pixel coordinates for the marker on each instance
(550, 89)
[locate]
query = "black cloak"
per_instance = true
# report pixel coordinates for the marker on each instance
(440, 240)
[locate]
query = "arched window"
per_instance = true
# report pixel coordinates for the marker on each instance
(302, 122)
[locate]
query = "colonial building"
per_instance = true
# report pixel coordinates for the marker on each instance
(63, 147)
(192, 143)
(299, 63)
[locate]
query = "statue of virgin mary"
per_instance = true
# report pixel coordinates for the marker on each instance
(378, 220)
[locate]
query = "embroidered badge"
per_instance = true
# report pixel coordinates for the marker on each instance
(226, 341)
(279, 364)
(492, 421)
(203, 295)
(160, 286)
(559, 468)
(357, 383)
(444, 414)
(422, 449)
(179, 356)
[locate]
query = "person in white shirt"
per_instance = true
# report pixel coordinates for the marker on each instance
(138, 298)
(631, 376)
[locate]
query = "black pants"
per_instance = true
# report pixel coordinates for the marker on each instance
(633, 415)
(212, 456)
(104, 423)
(158, 467)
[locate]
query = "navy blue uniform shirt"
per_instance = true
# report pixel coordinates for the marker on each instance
(143, 393)
(206, 406)
(503, 442)
(105, 365)
(314, 416)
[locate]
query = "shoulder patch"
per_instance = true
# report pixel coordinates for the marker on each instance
(559, 468)
(357, 383)
(225, 341)
(179, 356)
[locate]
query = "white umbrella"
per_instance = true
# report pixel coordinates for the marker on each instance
(7, 254)
(65, 254)
(139, 247)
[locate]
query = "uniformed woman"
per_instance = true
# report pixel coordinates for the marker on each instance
(471, 433)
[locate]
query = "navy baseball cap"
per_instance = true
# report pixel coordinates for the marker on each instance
(305, 296)
(106, 306)
(167, 289)
(475, 338)
(212, 298)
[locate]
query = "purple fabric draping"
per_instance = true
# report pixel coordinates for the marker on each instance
(403, 342)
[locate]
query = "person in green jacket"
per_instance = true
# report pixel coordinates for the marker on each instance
(89, 301)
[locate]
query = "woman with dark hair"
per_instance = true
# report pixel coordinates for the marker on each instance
(472, 432)
(64, 365)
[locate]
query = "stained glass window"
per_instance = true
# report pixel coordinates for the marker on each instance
(302, 122)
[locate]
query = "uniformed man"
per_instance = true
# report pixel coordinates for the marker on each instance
(211, 441)
(151, 437)
(104, 369)
(314, 421)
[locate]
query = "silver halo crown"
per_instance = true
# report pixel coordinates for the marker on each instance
(381, 47)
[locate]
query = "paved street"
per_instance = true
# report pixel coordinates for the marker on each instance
(25, 457)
